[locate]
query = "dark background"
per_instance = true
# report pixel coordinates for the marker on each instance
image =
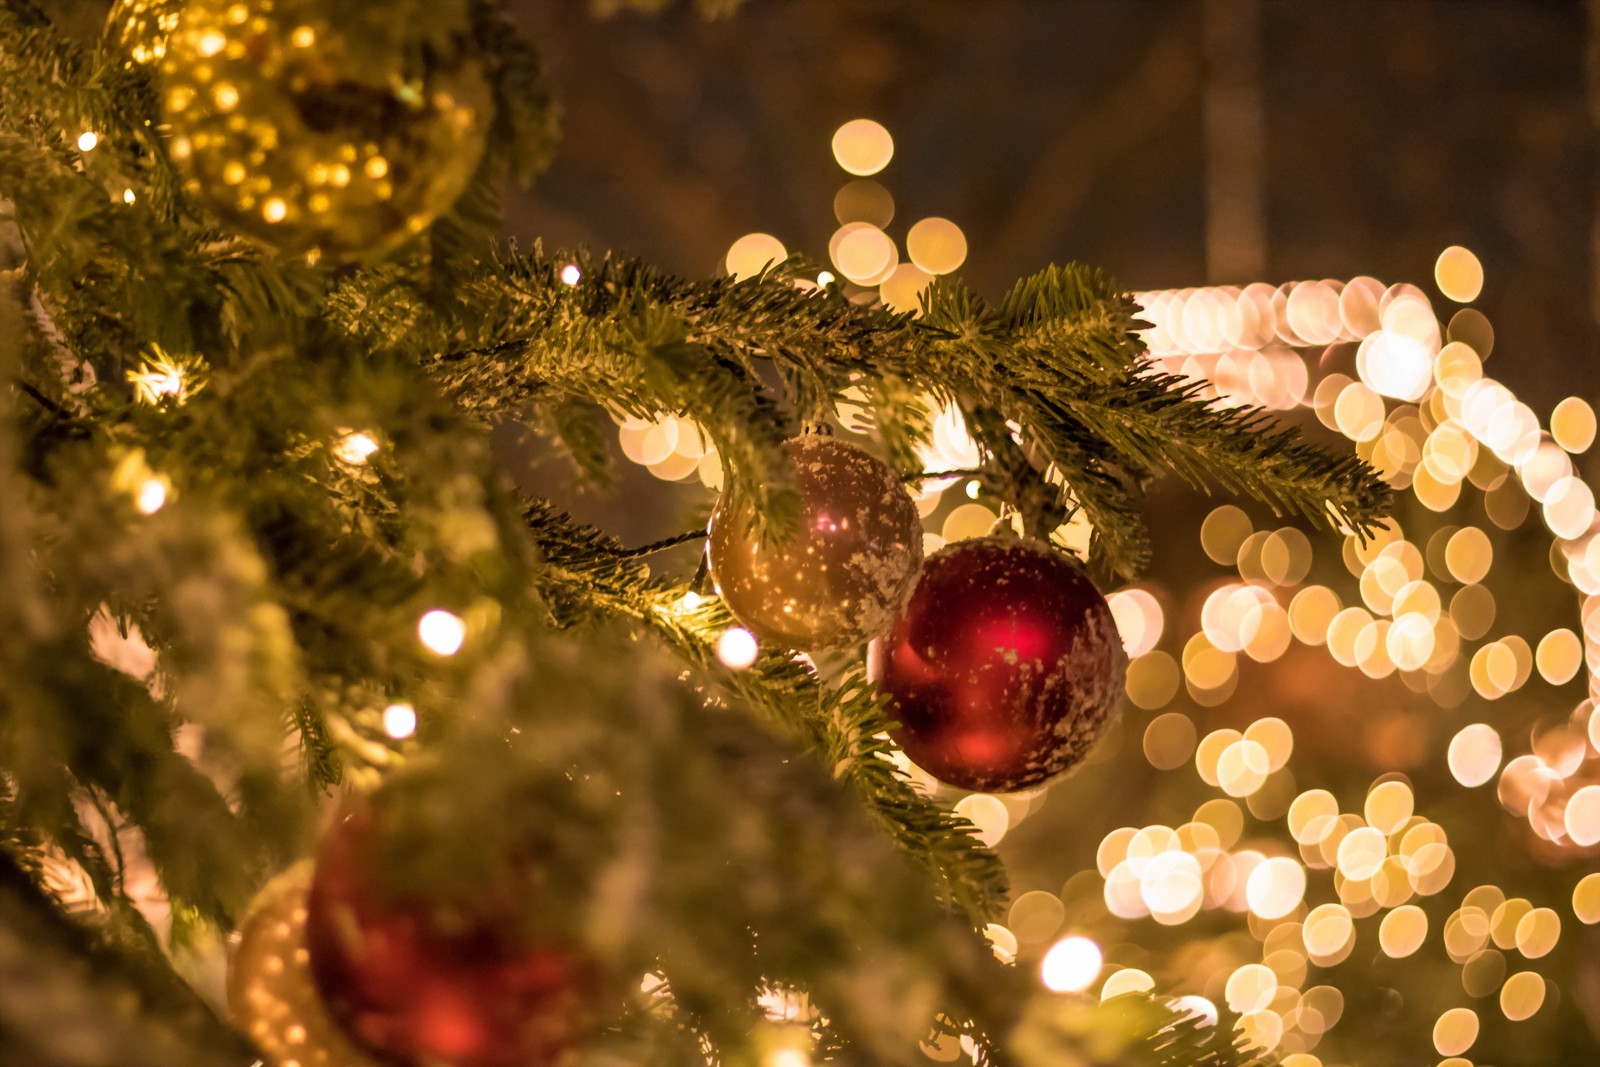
(1056, 129)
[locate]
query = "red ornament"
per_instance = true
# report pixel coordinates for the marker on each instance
(1004, 665)
(439, 982)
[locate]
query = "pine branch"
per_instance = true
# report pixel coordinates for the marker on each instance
(844, 725)
(1059, 358)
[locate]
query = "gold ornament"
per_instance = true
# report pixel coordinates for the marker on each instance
(139, 29)
(845, 572)
(271, 996)
(298, 123)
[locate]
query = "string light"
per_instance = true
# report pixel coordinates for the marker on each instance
(152, 495)
(399, 721)
(571, 275)
(737, 648)
(442, 632)
(88, 140)
(354, 447)
(1071, 965)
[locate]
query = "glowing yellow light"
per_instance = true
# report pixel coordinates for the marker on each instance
(1361, 853)
(152, 495)
(354, 447)
(737, 648)
(1152, 680)
(571, 275)
(442, 632)
(1242, 768)
(1250, 988)
(1139, 619)
(1474, 754)
(1402, 931)
(399, 721)
(902, 290)
(1586, 899)
(211, 42)
(787, 1056)
(1572, 424)
(1071, 965)
(1392, 364)
(936, 245)
(862, 252)
(1311, 612)
(1538, 933)
(1196, 1006)
(1260, 1030)
(275, 209)
(752, 254)
(1458, 274)
(862, 147)
(1522, 995)
(1036, 916)
(825, 279)
(128, 196)
(1389, 805)
(1582, 817)
(1169, 740)
(1312, 815)
(1559, 656)
(225, 95)
(988, 814)
(87, 140)
(1128, 980)
(1468, 555)
(1274, 889)
(1002, 941)
(1455, 1031)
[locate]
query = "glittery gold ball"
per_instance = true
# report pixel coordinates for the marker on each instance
(296, 123)
(848, 567)
(139, 29)
(271, 996)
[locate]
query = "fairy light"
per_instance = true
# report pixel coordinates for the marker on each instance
(1071, 965)
(88, 140)
(354, 447)
(151, 496)
(399, 721)
(737, 648)
(571, 275)
(442, 632)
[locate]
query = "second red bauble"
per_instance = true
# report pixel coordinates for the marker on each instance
(429, 982)
(1003, 667)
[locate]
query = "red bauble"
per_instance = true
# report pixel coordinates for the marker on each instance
(431, 982)
(1004, 665)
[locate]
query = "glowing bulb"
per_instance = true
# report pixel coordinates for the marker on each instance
(152, 496)
(399, 721)
(354, 447)
(128, 197)
(737, 648)
(87, 141)
(1071, 965)
(570, 274)
(442, 632)
(274, 210)
(825, 279)
(689, 601)
(1200, 1006)
(211, 42)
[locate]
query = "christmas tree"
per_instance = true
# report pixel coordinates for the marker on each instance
(270, 594)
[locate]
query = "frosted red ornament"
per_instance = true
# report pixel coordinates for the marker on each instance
(846, 569)
(456, 982)
(1003, 667)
